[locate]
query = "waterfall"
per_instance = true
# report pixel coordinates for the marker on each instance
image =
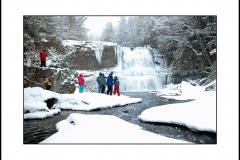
(98, 52)
(169, 78)
(118, 53)
(138, 70)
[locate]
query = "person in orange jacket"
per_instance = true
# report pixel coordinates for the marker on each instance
(47, 83)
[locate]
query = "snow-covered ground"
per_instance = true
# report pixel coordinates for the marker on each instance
(199, 114)
(35, 106)
(79, 128)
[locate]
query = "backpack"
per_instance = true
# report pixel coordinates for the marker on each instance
(102, 81)
(116, 82)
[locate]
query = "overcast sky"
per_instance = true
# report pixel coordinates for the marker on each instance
(97, 23)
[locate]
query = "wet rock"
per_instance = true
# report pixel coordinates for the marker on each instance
(50, 102)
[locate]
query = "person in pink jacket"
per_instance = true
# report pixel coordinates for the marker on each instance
(81, 83)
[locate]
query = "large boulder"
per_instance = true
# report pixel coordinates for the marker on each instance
(62, 80)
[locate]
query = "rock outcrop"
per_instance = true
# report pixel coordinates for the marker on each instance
(85, 57)
(61, 80)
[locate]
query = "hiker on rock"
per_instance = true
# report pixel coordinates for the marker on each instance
(43, 56)
(47, 83)
(81, 82)
(110, 83)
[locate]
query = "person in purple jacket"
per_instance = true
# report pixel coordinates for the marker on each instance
(98, 81)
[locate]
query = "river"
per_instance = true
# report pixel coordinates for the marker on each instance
(36, 131)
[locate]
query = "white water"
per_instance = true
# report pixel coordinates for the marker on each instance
(138, 71)
(118, 55)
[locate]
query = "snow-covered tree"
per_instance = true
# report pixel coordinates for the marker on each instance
(70, 27)
(121, 33)
(189, 40)
(35, 28)
(108, 33)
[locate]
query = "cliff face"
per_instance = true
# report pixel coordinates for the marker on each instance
(84, 58)
(75, 55)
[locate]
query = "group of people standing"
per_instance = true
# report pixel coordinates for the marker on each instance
(102, 83)
(109, 82)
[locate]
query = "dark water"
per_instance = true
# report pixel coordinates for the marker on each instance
(36, 131)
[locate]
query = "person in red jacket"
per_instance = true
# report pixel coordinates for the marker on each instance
(81, 83)
(43, 56)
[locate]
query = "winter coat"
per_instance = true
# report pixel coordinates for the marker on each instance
(110, 80)
(81, 80)
(98, 79)
(43, 56)
(47, 82)
(116, 82)
(102, 80)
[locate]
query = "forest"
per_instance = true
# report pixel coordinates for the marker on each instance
(188, 43)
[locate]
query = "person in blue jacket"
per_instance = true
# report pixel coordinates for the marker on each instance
(110, 83)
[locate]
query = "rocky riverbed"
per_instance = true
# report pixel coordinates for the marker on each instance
(36, 131)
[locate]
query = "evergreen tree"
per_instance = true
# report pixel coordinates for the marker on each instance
(35, 28)
(70, 27)
(121, 33)
(108, 33)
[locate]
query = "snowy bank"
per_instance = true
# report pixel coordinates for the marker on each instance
(35, 106)
(79, 128)
(199, 114)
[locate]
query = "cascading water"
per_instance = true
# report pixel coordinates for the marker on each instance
(138, 70)
(118, 55)
(98, 52)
